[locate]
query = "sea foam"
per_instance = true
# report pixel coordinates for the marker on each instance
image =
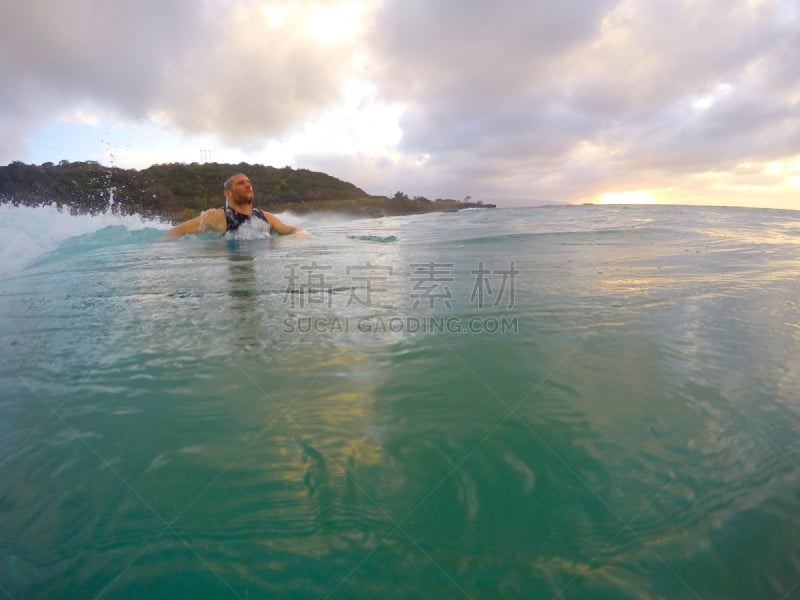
(30, 232)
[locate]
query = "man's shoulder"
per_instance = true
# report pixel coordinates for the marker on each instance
(269, 217)
(214, 214)
(215, 218)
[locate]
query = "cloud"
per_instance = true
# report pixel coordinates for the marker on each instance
(225, 69)
(536, 101)
(57, 52)
(572, 98)
(465, 71)
(56, 57)
(251, 77)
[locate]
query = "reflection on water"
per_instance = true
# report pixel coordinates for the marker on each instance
(241, 276)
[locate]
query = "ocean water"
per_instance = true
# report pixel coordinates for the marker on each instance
(555, 402)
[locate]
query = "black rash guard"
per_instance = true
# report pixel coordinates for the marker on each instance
(234, 219)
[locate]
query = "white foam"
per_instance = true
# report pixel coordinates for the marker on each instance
(28, 232)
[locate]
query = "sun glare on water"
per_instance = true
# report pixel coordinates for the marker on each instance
(638, 197)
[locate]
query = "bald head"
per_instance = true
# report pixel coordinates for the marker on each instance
(230, 180)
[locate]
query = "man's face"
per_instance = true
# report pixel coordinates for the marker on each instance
(241, 190)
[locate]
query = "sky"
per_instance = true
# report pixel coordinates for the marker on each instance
(514, 102)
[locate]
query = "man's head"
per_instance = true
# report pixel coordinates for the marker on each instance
(238, 190)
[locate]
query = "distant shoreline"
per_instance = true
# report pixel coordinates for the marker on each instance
(177, 192)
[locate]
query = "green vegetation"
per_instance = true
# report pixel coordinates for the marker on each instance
(177, 192)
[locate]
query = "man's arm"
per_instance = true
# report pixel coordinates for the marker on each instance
(280, 226)
(212, 219)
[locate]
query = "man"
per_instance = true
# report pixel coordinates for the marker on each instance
(238, 210)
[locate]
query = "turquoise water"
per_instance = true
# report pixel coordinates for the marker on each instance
(559, 402)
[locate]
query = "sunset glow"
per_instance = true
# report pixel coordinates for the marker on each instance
(637, 197)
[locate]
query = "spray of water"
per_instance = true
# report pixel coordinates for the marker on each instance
(29, 232)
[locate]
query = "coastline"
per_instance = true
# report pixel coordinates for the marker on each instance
(177, 192)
